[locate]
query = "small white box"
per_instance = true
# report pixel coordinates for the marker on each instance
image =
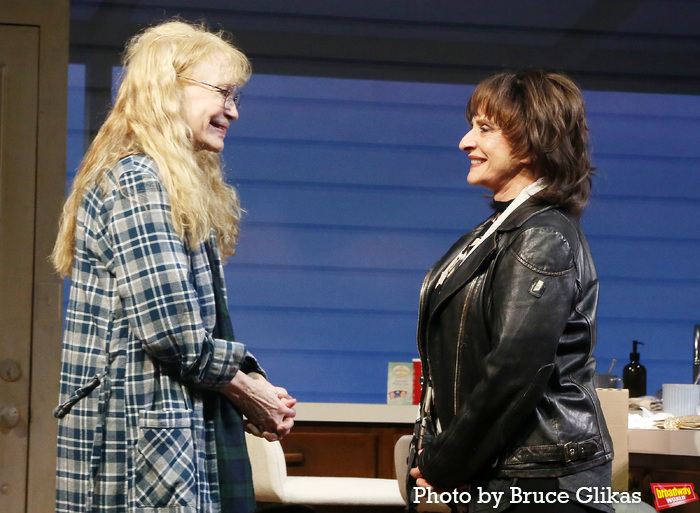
(400, 383)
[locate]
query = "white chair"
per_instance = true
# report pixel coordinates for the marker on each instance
(615, 405)
(401, 450)
(272, 484)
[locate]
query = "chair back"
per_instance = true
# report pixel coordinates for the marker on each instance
(269, 469)
(401, 449)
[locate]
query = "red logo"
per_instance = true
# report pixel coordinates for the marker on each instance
(668, 495)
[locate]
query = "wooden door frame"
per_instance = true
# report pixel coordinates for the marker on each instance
(19, 77)
(52, 19)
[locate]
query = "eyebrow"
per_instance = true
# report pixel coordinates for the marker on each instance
(228, 84)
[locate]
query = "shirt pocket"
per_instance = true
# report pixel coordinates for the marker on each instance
(164, 467)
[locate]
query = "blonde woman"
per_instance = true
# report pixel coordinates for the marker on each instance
(155, 393)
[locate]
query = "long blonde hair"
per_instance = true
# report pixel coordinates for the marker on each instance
(148, 117)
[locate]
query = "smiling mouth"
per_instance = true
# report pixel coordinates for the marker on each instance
(477, 161)
(219, 126)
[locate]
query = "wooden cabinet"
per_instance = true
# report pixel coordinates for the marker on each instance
(342, 449)
(663, 468)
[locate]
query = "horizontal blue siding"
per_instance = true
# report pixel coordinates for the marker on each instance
(353, 188)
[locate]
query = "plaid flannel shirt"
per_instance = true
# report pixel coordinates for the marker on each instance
(138, 357)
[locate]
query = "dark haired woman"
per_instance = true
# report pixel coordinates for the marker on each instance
(507, 319)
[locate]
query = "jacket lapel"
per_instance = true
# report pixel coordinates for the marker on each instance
(483, 253)
(434, 273)
(465, 272)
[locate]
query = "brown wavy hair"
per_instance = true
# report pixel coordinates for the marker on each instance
(542, 115)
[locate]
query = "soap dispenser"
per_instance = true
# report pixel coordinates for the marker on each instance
(634, 375)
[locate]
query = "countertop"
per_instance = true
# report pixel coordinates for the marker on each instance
(677, 442)
(356, 413)
(646, 441)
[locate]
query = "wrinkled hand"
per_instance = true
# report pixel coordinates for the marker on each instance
(254, 429)
(268, 409)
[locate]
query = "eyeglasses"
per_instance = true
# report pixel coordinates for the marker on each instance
(231, 96)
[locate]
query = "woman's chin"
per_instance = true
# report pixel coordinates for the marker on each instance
(211, 145)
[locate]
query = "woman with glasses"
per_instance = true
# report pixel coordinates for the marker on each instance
(507, 321)
(155, 393)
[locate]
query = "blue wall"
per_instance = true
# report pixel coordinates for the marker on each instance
(353, 188)
(644, 229)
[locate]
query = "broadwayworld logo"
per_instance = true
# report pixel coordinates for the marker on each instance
(668, 495)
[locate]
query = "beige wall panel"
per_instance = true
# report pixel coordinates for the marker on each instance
(19, 72)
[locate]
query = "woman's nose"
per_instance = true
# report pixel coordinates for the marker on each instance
(231, 112)
(467, 142)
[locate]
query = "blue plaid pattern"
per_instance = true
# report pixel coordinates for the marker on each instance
(165, 467)
(139, 354)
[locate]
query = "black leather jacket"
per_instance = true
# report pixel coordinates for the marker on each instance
(507, 343)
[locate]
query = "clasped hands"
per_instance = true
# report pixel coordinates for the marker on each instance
(268, 410)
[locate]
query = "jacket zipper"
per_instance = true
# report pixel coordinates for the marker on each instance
(421, 321)
(458, 359)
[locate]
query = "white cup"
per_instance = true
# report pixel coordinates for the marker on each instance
(681, 399)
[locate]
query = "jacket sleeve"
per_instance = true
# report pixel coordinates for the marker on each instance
(157, 286)
(531, 295)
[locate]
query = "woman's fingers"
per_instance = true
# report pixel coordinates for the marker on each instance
(269, 409)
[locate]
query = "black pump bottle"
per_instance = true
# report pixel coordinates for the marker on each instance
(634, 375)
